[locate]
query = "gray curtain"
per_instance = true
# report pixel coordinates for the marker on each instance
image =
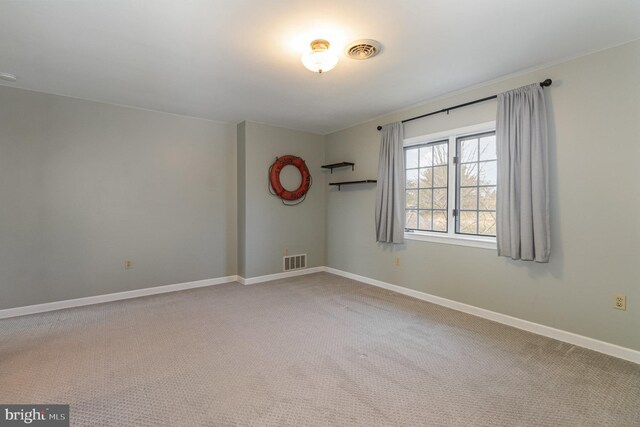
(390, 191)
(523, 175)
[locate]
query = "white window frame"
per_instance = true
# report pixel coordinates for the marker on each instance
(450, 237)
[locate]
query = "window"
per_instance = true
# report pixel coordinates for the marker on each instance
(476, 184)
(451, 188)
(427, 179)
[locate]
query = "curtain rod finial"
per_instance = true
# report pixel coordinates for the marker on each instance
(379, 127)
(546, 83)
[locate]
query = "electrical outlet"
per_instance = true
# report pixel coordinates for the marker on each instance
(397, 261)
(128, 265)
(620, 302)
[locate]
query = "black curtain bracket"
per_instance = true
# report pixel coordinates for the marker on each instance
(545, 83)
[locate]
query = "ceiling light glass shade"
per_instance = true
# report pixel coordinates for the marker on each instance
(320, 59)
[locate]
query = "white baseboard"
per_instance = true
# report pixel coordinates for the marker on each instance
(547, 331)
(284, 275)
(98, 299)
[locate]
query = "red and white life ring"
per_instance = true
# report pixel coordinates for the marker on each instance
(274, 178)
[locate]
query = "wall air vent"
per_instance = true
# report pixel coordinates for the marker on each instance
(362, 49)
(294, 262)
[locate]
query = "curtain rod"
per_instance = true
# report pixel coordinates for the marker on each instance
(545, 83)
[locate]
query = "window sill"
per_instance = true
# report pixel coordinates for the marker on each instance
(460, 240)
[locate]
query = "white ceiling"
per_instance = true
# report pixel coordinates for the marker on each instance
(235, 60)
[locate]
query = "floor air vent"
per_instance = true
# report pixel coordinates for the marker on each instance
(294, 262)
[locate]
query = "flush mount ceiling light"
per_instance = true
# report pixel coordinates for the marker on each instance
(320, 59)
(8, 77)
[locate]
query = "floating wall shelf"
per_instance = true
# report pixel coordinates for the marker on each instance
(338, 165)
(364, 181)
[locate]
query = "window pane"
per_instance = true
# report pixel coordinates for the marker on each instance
(468, 174)
(469, 198)
(440, 198)
(487, 223)
(426, 156)
(425, 199)
(488, 148)
(425, 220)
(426, 178)
(468, 222)
(441, 154)
(439, 220)
(488, 173)
(411, 219)
(412, 178)
(412, 199)
(411, 161)
(469, 150)
(440, 176)
(487, 198)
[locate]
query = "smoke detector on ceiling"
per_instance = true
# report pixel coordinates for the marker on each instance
(362, 49)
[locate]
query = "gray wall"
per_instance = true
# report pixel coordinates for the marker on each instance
(271, 229)
(594, 113)
(85, 186)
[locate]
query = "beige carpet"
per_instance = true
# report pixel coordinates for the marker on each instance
(313, 350)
